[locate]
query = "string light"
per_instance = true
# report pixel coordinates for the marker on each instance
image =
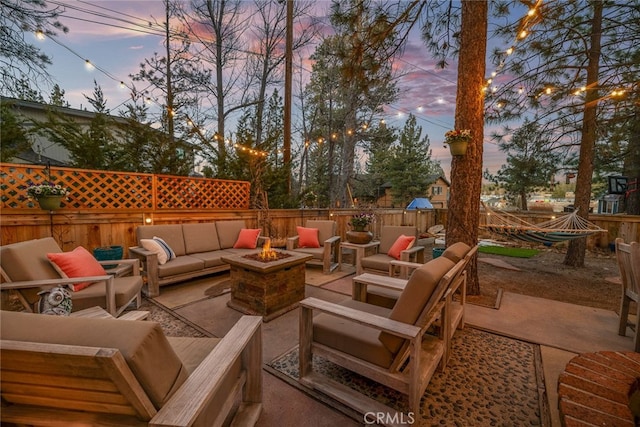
(88, 65)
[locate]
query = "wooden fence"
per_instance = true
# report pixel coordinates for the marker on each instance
(106, 207)
(109, 190)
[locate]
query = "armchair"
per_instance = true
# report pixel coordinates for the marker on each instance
(628, 257)
(379, 262)
(25, 268)
(325, 247)
(61, 371)
(391, 347)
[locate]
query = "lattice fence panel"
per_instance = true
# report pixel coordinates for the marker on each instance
(93, 189)
(177, 192)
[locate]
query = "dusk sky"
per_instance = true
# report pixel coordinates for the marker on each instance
(118, 48)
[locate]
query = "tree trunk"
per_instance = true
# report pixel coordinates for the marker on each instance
(577, 247)
(632, 167)
(466, 171)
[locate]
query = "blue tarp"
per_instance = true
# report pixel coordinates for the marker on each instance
(420, 203)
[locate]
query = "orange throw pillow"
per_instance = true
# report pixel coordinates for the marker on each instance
(308, 237)
(402, 243)
(77, 263)
(247, 239)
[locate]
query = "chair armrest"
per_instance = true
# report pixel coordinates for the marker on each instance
(27, 284)
(394, 327)
(124, 266)
(407, 265)
(244, 342)
(262, 240)
(140, 251)
(332, 240)
(292, 242)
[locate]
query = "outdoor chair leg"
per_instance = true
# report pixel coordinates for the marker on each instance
(624, 314)
(636, 341)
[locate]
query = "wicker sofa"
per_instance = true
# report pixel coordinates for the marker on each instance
(199, 248)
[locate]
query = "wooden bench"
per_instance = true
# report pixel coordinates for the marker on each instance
(596, 388)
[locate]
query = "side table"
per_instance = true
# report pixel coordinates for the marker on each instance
(360, 251)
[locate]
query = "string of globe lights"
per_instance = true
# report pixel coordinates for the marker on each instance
(531, 18)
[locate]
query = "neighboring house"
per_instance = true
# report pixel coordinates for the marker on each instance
(44, 151)
(437, 193)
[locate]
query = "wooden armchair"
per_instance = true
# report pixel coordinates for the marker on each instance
(25, 268)
(628, 257)
(325, 251)
(379, 261)
(61, 371)
(387, 346)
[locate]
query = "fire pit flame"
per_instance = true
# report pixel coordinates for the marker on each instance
(268, 253)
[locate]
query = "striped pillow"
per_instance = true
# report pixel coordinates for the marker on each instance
(159, 247)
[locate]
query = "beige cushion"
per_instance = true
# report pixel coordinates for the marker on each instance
(143, 345)
(326, 229)
(228, 232)
(170, 233)
(376, 262)
(200, 237)
(390, 233)
(126, 288)
(28, 261)
(415, 296)
(317, 253)
(182, 264)
(351, 337)
(456, 252)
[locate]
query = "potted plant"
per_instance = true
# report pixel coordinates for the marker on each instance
(48, 194)
(457, 139)
(359, 223)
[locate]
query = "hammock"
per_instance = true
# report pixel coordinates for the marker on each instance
(566, 227)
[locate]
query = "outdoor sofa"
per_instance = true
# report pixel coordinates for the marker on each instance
(61, 371)
(185, 251)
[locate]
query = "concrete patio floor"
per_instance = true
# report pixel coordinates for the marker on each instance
(561, 329)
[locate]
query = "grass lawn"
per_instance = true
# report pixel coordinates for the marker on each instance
(513, 252)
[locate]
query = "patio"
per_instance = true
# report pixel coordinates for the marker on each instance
(556, 330)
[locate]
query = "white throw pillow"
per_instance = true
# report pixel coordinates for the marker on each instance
(158, 247)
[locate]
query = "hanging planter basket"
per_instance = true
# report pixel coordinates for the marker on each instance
(49, 203)
(458, 148)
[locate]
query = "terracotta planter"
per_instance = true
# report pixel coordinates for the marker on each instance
(359, 237)
(458, 148)
(49, 203)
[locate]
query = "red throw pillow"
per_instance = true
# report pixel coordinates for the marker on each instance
(247, 239)
(77, 263)
(308, 237)
(402, 243)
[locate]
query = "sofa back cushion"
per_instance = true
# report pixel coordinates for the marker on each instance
(457, 251)
(170, 233)
(143, 345)
(28, 260)
(200, 237)
(228, 232)
(390, 233)
(326, 229)
(416, 295)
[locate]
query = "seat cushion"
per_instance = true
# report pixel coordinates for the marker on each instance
(416, 295)
(456, 252)
(228, 232)
(170, 233)
(126, 288)
(200, 237)
(379, 262)
(182, 264)
(143, 345)
(212, 258)
(353, 338)
(317, 253)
